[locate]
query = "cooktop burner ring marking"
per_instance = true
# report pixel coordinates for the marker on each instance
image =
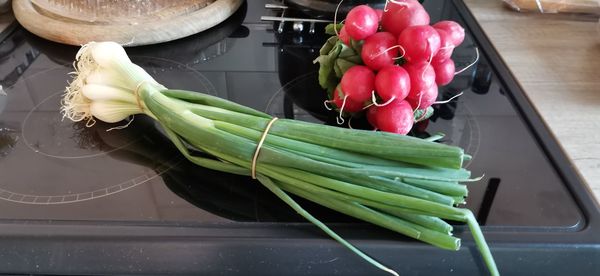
(148, 173)
(30, 146)
(85, 196)
(287, 85)
(138, 59)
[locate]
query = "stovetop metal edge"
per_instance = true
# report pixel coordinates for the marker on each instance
(549, 144)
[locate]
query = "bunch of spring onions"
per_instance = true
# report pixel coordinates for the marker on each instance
(405, 184)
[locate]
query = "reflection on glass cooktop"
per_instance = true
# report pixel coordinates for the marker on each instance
(58, 170)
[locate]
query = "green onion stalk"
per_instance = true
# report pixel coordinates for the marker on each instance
(405, 184)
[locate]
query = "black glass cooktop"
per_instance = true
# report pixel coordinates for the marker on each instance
(58, 173)
(54, 169)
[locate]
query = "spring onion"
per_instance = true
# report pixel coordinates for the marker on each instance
(402, 183)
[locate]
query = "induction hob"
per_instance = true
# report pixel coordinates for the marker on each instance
(78, 200)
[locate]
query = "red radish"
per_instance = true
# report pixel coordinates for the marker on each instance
(457, 33)
(358, 82)
(379, 14)
(422, 77)
(399, 17)
(361, 22)
(349, 106)
(343, 36)
(372, 116)
(420, 43)
(392, 82)
(446, 47)
(378, 50)
(424, 99)
(444, 71)
(396, 117)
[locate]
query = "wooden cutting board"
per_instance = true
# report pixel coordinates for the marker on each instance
(128, 22)
(556, 6)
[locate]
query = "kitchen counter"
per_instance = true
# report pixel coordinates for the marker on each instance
(555, 59)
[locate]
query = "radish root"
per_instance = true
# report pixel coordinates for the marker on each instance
(449, 100)
(419, 104)
(473, 63)
(428, 62)
(374, 100)
(340, 118)
(326, 104)
(403, 53)
(335, 18)
(387, 50)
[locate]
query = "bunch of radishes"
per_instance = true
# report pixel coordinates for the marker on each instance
(405, 60)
